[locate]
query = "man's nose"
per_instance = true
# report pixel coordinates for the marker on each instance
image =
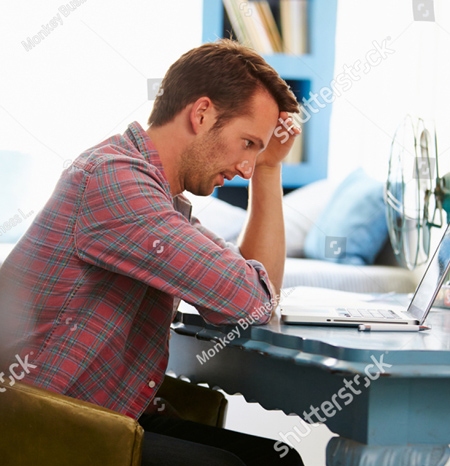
(245, 168)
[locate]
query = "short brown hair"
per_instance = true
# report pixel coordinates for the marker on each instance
(225, 71)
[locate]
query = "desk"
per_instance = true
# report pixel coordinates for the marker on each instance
(398, 415)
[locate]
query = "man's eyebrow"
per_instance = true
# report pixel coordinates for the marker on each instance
(257, 140)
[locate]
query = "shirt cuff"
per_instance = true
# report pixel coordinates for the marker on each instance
(265, 310)
(234, 248)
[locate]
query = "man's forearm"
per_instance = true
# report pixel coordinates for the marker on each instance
(263, 237)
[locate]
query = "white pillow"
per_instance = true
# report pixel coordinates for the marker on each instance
(218, 216)
(301, 209)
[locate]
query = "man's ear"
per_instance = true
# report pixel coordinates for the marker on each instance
(202, 115)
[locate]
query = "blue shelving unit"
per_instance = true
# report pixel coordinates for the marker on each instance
(309, 72)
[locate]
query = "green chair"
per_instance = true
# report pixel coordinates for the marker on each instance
(42, 428)
(192, 402)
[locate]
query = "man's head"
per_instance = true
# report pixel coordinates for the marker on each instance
(218, 153)
(226, 72)
(218, 111)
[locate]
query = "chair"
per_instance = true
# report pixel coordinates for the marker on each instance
(194, 403)
(42, 428)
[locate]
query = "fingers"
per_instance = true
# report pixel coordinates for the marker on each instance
(287, 129)
(289, 124)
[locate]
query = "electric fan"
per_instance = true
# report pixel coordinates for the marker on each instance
(415, 195)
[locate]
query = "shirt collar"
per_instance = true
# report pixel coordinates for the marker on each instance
(183, 205)
(140, 139)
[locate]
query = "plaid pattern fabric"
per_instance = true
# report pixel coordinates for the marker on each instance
(94, 281)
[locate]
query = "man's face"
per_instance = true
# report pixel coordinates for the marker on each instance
(222, 154)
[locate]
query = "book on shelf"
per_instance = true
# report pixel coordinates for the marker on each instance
(294, 26)
(254, 25)
(271, 25)
(236, 21)
(296, 153)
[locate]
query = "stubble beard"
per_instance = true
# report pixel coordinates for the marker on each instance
(199, 162)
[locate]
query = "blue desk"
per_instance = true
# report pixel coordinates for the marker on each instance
(399, 414)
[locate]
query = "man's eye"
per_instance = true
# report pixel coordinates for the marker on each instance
(248, 143)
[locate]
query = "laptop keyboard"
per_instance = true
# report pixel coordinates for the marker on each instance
(372, 313)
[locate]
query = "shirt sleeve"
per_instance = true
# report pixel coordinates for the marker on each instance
(214, 237)
(127, 224)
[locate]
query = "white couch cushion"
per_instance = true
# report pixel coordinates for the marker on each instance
(301, 209)
(361, 279)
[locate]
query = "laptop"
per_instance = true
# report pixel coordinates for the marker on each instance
(364, 312)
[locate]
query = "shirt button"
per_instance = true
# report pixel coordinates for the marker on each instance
(151, 384)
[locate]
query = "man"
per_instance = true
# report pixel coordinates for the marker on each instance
(94, 283)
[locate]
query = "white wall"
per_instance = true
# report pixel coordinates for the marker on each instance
(87, 79)
(413, 80)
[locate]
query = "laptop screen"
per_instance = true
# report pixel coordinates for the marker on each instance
(432, 280)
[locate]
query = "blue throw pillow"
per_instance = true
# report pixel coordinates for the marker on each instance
(352, 228)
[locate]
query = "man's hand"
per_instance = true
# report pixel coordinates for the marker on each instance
(263, 236)
(276, 296)
(281, 142)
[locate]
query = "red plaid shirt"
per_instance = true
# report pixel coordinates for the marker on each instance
(94, 282)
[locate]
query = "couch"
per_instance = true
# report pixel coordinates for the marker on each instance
(302, 210)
